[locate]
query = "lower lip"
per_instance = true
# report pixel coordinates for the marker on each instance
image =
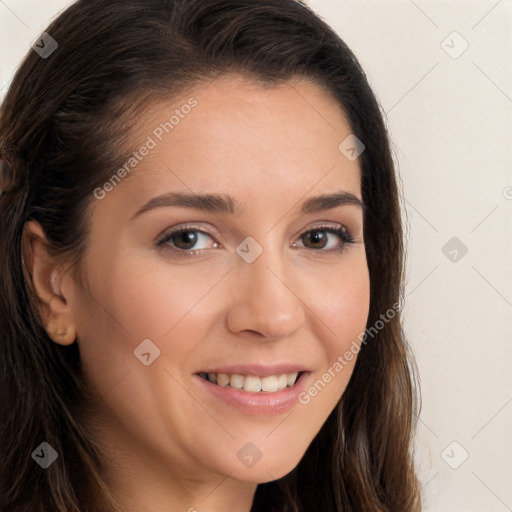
(258, 403)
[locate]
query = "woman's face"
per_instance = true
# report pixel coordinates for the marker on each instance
(259, 288)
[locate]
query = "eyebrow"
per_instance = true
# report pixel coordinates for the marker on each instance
(221, 203)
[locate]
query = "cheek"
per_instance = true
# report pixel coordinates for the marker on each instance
(346, 314)
(342, 304)
(139, 299)
(341, 311)
(179, 306)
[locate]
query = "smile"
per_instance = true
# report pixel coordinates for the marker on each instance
(255, 390)
(253, 383)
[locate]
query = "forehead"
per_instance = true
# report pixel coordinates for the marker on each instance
(241, 135)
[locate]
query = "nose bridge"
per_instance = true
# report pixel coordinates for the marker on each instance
(265, 300)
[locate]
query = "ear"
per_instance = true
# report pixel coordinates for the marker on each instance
(46, 280)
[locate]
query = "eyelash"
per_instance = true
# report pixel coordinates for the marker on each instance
(162, 244)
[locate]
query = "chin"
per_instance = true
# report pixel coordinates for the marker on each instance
(263, 471)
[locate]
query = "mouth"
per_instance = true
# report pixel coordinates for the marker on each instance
(255, 390)
(253, 383)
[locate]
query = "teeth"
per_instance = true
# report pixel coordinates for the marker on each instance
(236, 381)
(252, 383)
(291, 378)
(269, 383)
(282, 381)
(222, 379)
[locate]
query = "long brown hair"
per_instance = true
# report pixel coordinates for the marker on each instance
(65, 125)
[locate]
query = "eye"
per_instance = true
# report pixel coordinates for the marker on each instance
(319, 239)
(183, 240)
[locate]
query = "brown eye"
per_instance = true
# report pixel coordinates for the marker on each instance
(318, 238)
(185, 239)
(182, 241)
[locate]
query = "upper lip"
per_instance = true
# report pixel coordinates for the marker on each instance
(257, 369)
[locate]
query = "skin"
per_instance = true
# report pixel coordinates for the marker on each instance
(168, 444)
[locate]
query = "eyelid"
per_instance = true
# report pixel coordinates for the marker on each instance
(196, 227)
(184, 227)
(326, 225)
(338, 229)
(333, 228)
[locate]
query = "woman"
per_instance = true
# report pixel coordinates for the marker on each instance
(202, 259)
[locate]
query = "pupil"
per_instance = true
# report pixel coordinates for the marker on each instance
(187, 237)
(317, 237)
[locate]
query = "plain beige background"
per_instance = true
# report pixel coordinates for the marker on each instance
(442, 72)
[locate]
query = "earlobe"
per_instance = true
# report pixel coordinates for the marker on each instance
(63, 333)
(54, 309)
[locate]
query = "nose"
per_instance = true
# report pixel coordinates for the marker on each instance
(266, 299)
